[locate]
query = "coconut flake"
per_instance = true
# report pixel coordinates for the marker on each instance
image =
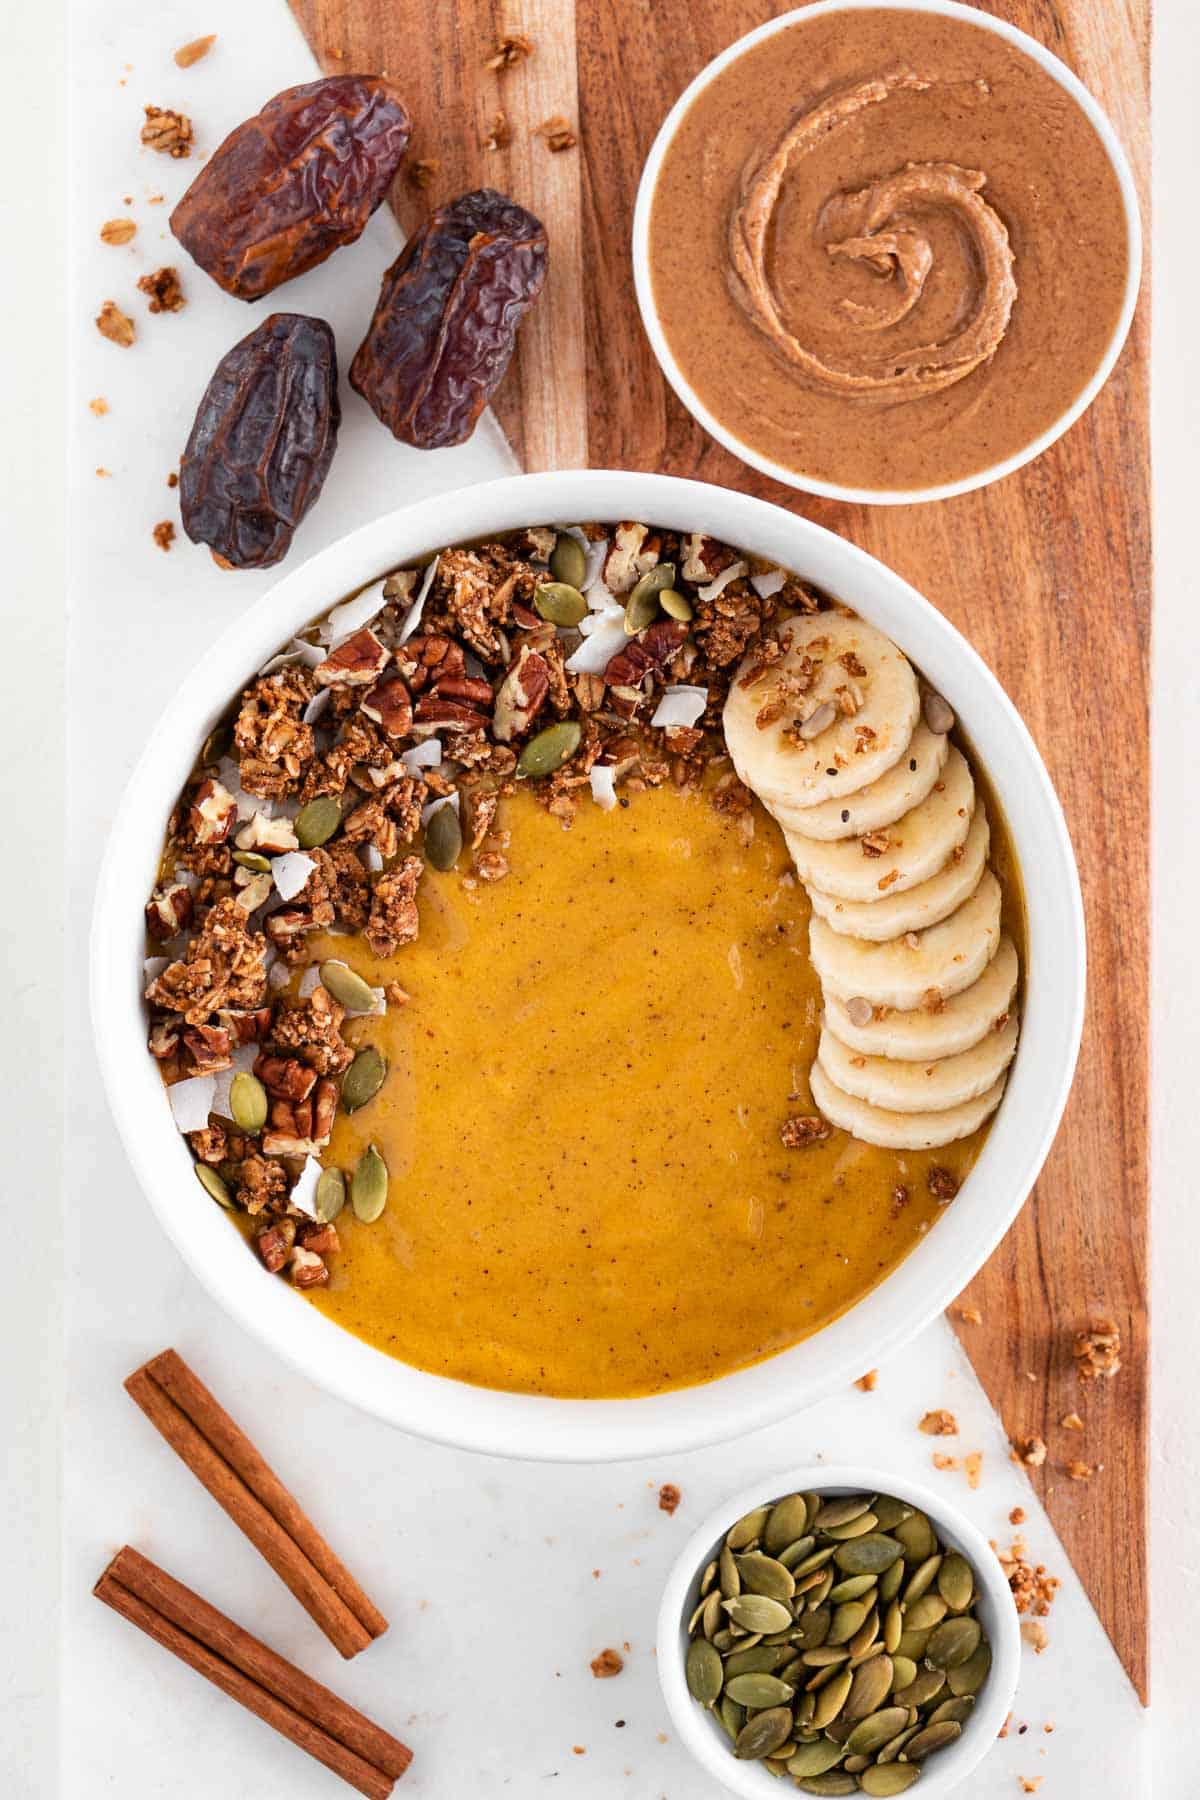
(277, 975)
(244, 1059)
(310, 981)
(603, 777)
(768, 583)
(598, 649)
(187, 878)
(413, 617)
(426, 755)
(153, 966)
(594, 555)
(722, 581)
(611, 613)
(291, 871)
(372, 858)
(228, 774)
(316, 705)
(191, 1101)
(680, 705)
(299, 650)
(304, 1194)
(352, 615)
(427, 812)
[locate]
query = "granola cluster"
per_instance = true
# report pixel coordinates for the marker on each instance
(309, 807)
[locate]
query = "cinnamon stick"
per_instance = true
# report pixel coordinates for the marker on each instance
(274, 1690)
(225, 1461)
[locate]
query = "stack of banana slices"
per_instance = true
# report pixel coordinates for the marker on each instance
(883, 823)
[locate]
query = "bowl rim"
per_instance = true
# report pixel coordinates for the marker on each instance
(704, 1738)
(833, 490)
(532, 1426)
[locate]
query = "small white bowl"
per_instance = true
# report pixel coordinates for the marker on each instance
(701, 1732)
(528, 1425)
(833, 490)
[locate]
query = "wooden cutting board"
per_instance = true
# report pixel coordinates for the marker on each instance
(1047, 573)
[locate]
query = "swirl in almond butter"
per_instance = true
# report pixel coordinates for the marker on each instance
(881, 227)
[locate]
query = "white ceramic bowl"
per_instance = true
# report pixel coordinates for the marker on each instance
(589, 1430)
(997, 1614)
(831, 489)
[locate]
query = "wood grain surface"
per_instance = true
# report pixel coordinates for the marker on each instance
(1048, 574)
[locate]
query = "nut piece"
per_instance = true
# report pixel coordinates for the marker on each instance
(187, 54)
(356, 663)
(275, 1243)
(1097, 1352)
(168, 132)
(389, 705)
(307, 1269)
(212, 812)
(521, 695)
(163, 290)
(168, 911)
(272, 836)
(115, 325)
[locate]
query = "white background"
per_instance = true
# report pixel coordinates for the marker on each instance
(482, 1718)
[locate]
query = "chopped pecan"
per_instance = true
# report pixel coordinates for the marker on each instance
(168, 132)
(210, 1048)
(285, 1077)
(356, 663)
(307, 1269)
(427, 660)
(1097, 1351)
(389, 705)
(321, 1239)
(704, 557)
(225, 965)
(254, 888)
(168, 910)
(275, 1244)
(394, 918)
(261, 1183)
(212, 812)
(647, 654)
(521, 695)
(301, 1127)
(634, 551)
(164, 1039)
(246, 1025)
(271, 836)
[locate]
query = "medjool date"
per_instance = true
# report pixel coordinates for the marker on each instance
(447, 318)
(262, 441)
(294, 183)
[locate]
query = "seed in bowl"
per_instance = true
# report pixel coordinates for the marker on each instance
(835, 1639)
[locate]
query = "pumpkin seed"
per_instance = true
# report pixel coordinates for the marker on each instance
(731, 1581)
(917, 1537)
(839, 1509)
(870, 1686)
(824, 1656)
(813, 1628)
(316, 823)
(921, 1579)
(710, 1616)
(893, 1627)
(869, 1555)
(750, 1526)
(705, 1671)
(568, 560)
(764, 1734)
(958, 1710)
(956, 1582)
(815, 1759)
(852, 1588)
(864, 1638)
(330, 1196)
(853, 1528)
(347, 988)
(560, 602)
(252, 859)
(443, 838)
(925, 1613)
(549, 750)
(854, 1765)
(795, 1552)
(759, 1690)
(817, 1560)
(819, 1592)
(707, 1579)
(363, 1079)
(884, 1780)
(922, 1688)
(905, 1671)
(889, 1511)
(756, 1612)
(846, 1620)
(969, 1676)
(760, 1659)
(731, 1715)
(831, 1699)
(934, 1737)
(675, 604)
(873, 1732)
(787, 1523)
(369, 1186)
(890, 1581)
(248, 1102)
(641, 608)
(953, 1642)
(833, 1783)
(218, 743)
(894, 1746)
(761, 1574)
(212, 1184)
(912, 1643)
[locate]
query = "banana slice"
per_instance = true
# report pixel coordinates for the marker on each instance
(913, 1087)
(916, 908)
(899, 1130)
(829, 651)
(922, 1036)
(909, 852)
(904, 786)
(907, 972)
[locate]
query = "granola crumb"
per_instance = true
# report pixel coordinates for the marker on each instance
(973, 1467)
(803, 1129)
(187, 54)
(163, 290)
(867, 1383)
(117, 231)
(421, 173)
(173, 479)
(607, 1664)
(99, 406)
(104, 474)
(1097, 1351)
(557, 133)
(510, 50)
(500, 136)
(1033, 1632)
(164, 534)
(1030, 1450)
(1032, 1589)
(1071, 1422)
(669, 1497)
(939, 1424)
(115, 325)
(1081, 1471)
(970, 1315)
(395, 995)
(946, 1462)
(942, 1183)
(1017, 1516)
(168, 132)
(1030, 1783)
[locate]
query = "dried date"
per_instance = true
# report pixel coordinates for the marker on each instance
(294, 183)
(262, 441)
(447, 318)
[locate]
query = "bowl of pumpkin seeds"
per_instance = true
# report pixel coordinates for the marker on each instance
(847, 1634)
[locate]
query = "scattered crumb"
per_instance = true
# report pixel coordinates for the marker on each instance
(163, 290)
(1030, 1450)
(187, 54)
(1071, 1422)
(1030, 1783)
(172, 479)
(1097, 1351)
(99, 406)
(669, 1497)
(170, 133)
(557, 133)
(1034, 1634)
(662, 1737)
(939, 1424)
(105, 473)
(1081, 1471)
(970, 1315)
(1048, 1728)
(164, 534)
(803, 1129)
(421, 173)
(1017, 1516)
(579, 1749)
(946, 1462)
(607, 1664)
(973, 1464)
(510, 50)
(942, 1183)
(117, 231)
(1032, 1589)
(154, 199)
(596, 1574)
(395, 994)
(1003, 1731)
(115, 325)
(500, 136)
(868, 1382)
